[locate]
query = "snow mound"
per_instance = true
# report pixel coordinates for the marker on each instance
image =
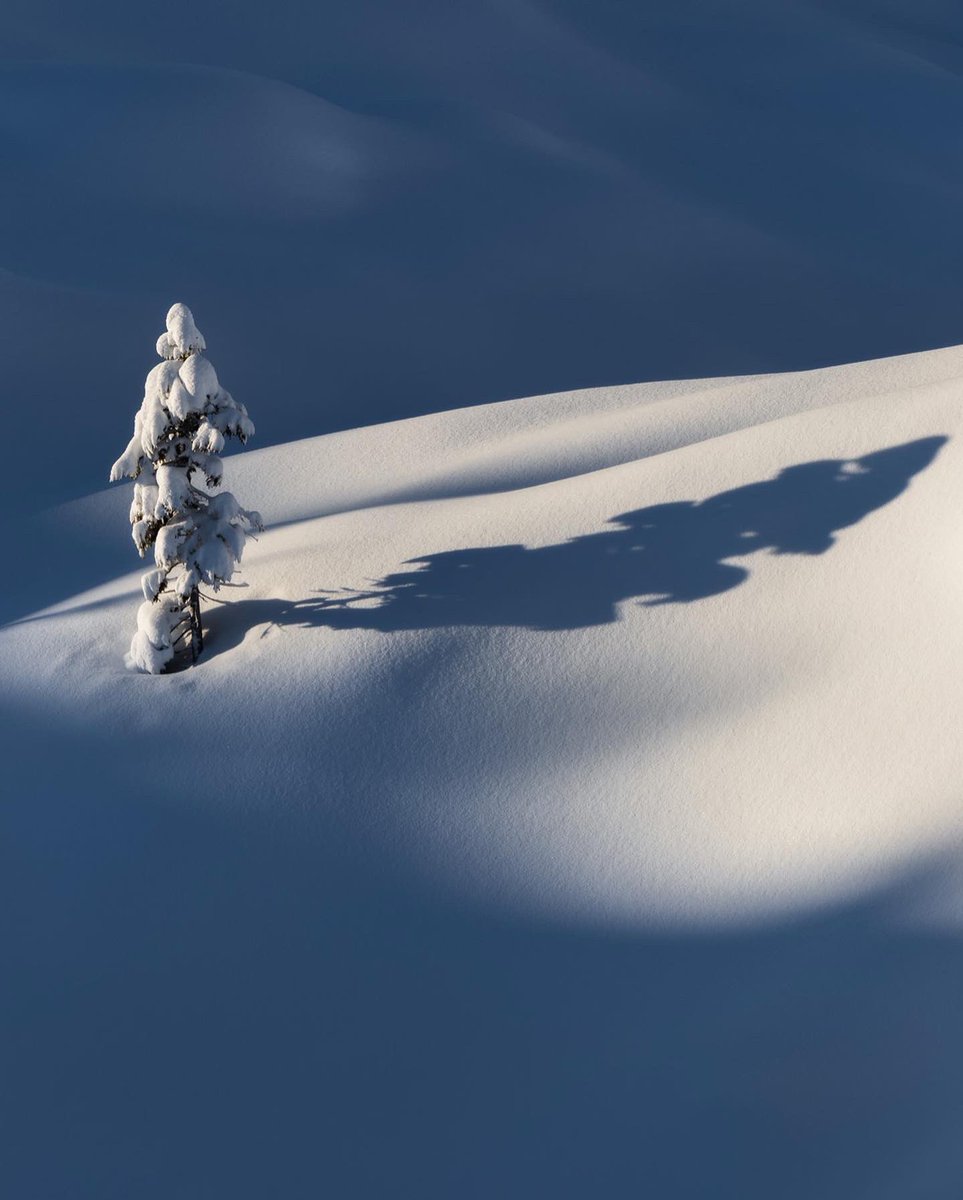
(568, 767)
(650, 654)
(447, 206)
(203, 141)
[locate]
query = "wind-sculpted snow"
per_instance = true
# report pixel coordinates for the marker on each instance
(431, 206)
(490, 448)
(489, 556)
(575, 781)
(203, 142)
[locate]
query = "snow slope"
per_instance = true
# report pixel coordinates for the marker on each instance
(608, 813)
(425, 206)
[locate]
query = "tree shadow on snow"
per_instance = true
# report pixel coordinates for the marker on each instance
(663, 554)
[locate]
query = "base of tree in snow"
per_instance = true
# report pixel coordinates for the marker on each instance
(198, 537)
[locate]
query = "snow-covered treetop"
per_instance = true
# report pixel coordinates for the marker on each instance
(185, 414)
(182, 337)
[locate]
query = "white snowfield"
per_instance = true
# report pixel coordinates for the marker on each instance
(679, 654)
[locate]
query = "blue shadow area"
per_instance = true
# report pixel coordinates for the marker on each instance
(546, 197)
(196, 1011)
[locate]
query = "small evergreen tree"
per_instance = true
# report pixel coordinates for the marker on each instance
(197, 537)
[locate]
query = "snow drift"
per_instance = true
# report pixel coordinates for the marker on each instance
(636, 654)
(439, 206)
(612, 729)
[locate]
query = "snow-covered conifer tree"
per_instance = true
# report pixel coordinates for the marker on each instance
(197, 537)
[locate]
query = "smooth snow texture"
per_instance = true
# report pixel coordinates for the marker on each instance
(606, 840)
(644, 655)
(425, 206)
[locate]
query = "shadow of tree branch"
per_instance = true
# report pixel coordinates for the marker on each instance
(672, 553)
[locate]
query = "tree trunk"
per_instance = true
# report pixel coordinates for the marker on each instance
(197, 633)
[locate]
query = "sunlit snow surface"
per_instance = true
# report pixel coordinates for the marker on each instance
(569, 806)
(663, 653)
(595, 749)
